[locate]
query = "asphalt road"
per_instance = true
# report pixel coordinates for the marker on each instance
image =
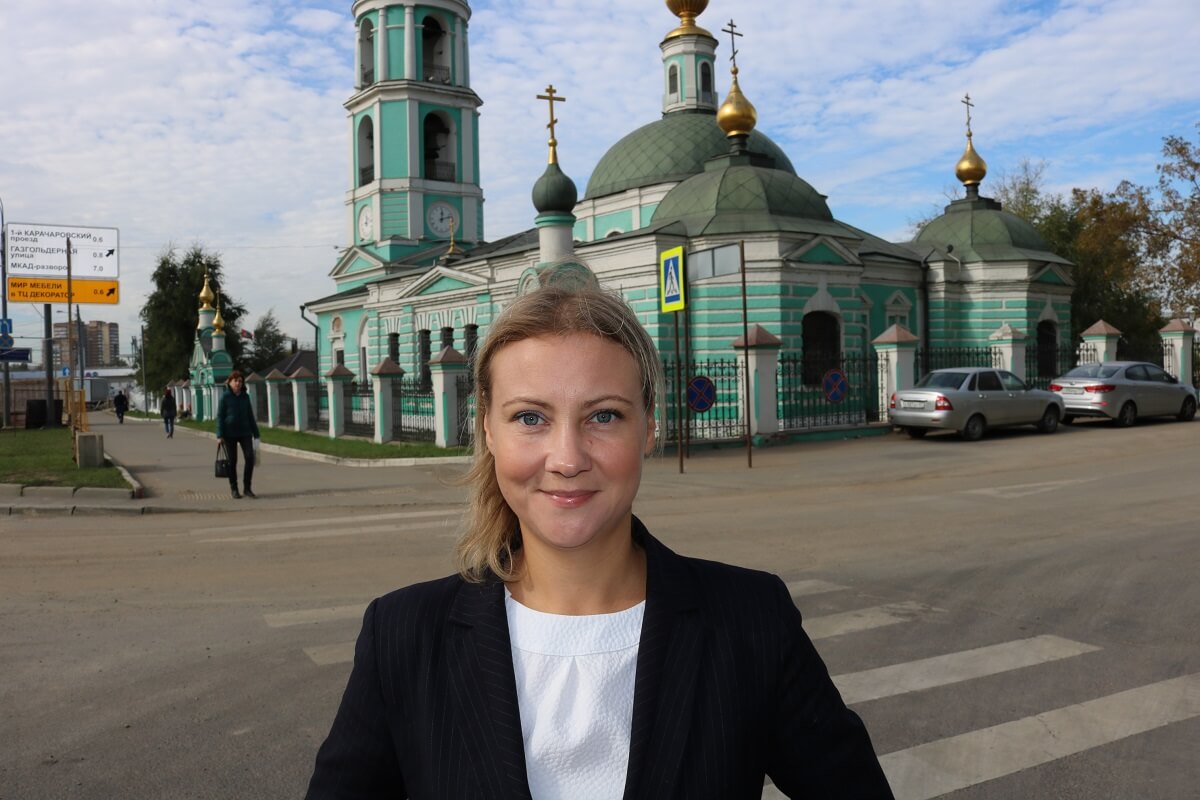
(1018, 617)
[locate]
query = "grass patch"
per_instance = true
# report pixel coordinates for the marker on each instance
(342, 448)
(43, 458)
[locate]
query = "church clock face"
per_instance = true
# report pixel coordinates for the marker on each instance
(441, 217)
(365, 229)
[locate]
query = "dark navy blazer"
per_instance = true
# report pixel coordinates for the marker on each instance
(728, 689)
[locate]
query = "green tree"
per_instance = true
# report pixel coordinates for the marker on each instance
(171, 313)
(270, 344)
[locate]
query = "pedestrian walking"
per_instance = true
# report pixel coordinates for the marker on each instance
(574, 654)
(236, 427)
(120, 405)
(167, 409)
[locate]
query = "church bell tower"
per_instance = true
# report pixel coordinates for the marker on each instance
(414, 129)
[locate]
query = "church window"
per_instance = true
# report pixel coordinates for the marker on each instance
(366, 53)
(366, 151)
(362, 365)
(394, 347)
(706, 83)
(339, 357)
(470, 341)
(423, 356)
(673, 81)
(439, 149)
(447, 337)
(1047, 349)
(435, 57)
(822, 346)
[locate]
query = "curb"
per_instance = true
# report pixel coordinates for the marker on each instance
(137, 490)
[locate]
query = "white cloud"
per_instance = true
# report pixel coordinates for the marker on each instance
(222, 122)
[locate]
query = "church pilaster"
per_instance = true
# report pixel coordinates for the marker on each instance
(410, 43)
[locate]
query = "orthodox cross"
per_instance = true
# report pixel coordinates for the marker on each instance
(551, 98)
(451, 251)
(966, 101)
(733, 34)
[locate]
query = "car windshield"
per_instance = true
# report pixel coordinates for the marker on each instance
(1093, 371)
(942, 380)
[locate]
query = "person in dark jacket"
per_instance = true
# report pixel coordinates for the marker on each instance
(236, 428)
(121, 405)
(167, 409)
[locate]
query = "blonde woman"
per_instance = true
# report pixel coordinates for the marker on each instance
(574, 655)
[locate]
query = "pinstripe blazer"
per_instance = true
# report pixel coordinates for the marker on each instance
(728, 689)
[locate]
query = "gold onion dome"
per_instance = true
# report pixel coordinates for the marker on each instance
(971, 168)
(219, 321)
(736, 116)
(206, 296)
(687, 11)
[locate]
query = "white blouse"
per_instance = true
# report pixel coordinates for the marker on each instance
(575, 678)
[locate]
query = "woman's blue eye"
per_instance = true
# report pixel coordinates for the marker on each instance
(605, 417)
(528, 418)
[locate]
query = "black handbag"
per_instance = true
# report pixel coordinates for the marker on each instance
(221, 467)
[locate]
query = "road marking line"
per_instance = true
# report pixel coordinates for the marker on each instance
(1027, 489)
(927, 673)
(326, 654)
(864, 619)
(807, 587)
(947, 765)
(306, 616)
(448, 528)
(266, 526)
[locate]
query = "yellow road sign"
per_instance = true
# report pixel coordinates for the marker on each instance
(54, 290)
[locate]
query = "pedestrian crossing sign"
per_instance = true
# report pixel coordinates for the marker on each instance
(670, 280)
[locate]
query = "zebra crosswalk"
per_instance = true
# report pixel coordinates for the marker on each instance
(927, 769)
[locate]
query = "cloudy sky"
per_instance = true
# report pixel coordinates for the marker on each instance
(221, 123)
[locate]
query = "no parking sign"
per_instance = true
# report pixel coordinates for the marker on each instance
(835, 386)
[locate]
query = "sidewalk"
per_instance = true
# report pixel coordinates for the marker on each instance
(177, 475)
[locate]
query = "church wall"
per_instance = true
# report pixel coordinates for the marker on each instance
(395, 41)
(393, 131)
(646, 213)
(393, 215)
(617, 221)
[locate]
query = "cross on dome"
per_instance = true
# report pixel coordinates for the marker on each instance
(551, 98)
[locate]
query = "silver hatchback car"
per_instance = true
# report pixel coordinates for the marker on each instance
(970, 400)
(1124, 391)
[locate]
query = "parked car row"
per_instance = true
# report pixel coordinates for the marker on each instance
(970, 400)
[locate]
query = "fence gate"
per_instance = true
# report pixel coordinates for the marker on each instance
(847, 392)
(359, 409)
(412, 411)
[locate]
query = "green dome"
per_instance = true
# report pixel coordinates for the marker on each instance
(554, 191)
(742, 198)
(670, 149)
(978, 229)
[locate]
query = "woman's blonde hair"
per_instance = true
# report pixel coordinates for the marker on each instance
(491, 531)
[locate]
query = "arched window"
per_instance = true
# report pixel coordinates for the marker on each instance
(822, 346)
(435, 51)
(1047, 349)
(366, 53)
(439, 149)
(394, 347)
(423, 356)
(673, 81)
(706, 87)
(366, 151)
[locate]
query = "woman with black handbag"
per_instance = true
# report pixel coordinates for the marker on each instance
(236, 427)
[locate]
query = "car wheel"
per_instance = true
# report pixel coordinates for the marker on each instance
(1127, 415)
(916, 433)
(1049, 421)
(1188, 411)
(973, 430)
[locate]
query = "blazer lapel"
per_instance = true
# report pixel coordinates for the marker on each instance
(485, 689)
(668, 666)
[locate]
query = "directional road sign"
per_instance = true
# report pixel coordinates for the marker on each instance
(16, 354)
(5, 326)
(40, 251)
(54, 290)
(6, 340)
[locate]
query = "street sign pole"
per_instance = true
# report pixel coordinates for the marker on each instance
(746, 353)
(70, 354)
(48, 358)
(4, 315)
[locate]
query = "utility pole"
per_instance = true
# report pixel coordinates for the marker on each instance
(4, 314)
(145, 391)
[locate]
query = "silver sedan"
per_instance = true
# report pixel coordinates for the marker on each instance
(1123, 391)
(970, 400)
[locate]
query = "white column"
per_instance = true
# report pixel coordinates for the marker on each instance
(273, 403)
(466, 57)
(382, 386)
(381, 50)
(467, 136)
(410, 43)
(300, 404)
(1009, 342)
(458, 52)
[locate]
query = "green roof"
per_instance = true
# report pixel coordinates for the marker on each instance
(978, 229)
(742, 198)
(670, 149)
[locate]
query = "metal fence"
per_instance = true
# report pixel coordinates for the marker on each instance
(723, 420)
(29, 404)
(260, 403)
(466, 409)
(359, 409)
(931, 358)
(1158, 353)
(1043, 364)
(848, 392)
(287, 407)
(412, 411)
(316, 400)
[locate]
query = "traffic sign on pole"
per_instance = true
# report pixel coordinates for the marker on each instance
(16, 354)
(670, 280)
(40, 251)
(54, 290)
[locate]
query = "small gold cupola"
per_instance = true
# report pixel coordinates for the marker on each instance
(687, 11)
(971, 168)
(219, 321)
(206, 295)
(737, 115)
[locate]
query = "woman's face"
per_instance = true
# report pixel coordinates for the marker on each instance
(568, 431)
(236, 385)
